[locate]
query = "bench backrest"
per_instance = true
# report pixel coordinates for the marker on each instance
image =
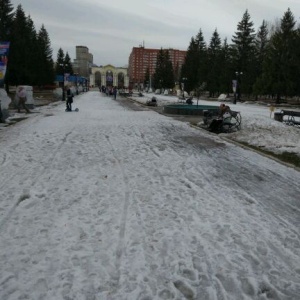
(232, 117)
(291, 113)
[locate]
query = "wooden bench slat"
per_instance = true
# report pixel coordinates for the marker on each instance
(291, 113)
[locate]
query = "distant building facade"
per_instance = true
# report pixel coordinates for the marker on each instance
(83, 62)
(142, 58)
(109, 76)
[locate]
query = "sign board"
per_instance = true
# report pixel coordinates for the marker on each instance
(234, 85)
(4, 48)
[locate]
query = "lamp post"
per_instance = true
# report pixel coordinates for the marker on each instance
(85, 85)
(1, 121)
(76, 83)
(182, 85)
(1, 115)
(63, 82)
(160, 85)
(238, 86)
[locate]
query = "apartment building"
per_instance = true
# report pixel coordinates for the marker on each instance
(142, 58)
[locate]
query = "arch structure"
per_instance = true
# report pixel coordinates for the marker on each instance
(109, 76)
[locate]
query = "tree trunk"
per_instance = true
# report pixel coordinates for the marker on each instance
(278, 99)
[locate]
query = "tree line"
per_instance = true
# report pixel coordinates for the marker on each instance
(30, 59)
(266, 62)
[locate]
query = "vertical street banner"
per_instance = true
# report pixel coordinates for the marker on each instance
(234, 85)
(67, 77)
(4, 48)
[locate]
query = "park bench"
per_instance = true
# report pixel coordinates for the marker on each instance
(230, 122)
(152, 102)
(125, 94)
(291, 115)
(181, 99)
(187, 100)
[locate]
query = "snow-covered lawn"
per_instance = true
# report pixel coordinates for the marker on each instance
(258, 124)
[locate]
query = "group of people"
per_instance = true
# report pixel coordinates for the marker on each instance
(22, 95)
(22, 99)
(109, 90)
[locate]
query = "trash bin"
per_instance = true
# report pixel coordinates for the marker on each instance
(278, 116)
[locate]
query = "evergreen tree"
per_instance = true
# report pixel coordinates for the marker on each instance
(194, 69)
(158, 74)
(243, 42)
(289, 68)
(202, 63)
(261, 44)
(45, 69)
(168, 71)
(18, 64)
(163, 76)
(189, 67)
(68, 64)
(297, 61)
(280, 68)
(60, 60)
(147, 77)
(6, 20)
(63, 63)
(214, 62)
(189, 70)
(226, 68)
(32, 60)
(176, 72)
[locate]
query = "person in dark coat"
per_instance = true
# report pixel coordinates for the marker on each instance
(69, 99)
(115, 92)
(216, 124)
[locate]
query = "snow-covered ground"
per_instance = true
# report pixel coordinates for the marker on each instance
(111, 203)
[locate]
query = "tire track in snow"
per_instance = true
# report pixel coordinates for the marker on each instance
(123, 222)
(51, 159)
(3, 160)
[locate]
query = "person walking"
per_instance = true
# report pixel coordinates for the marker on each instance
(69, 99)
(22, 95)
(115, 92)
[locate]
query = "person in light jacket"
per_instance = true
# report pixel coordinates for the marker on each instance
(22, 95)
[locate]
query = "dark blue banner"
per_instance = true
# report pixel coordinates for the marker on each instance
(71, 78)
(4, 48)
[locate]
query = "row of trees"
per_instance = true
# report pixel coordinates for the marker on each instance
(63, 63)
(269, 59)
(266, 62)
(30, 55)
(164, 73)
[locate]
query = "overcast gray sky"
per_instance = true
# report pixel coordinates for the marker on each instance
(110, 28)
